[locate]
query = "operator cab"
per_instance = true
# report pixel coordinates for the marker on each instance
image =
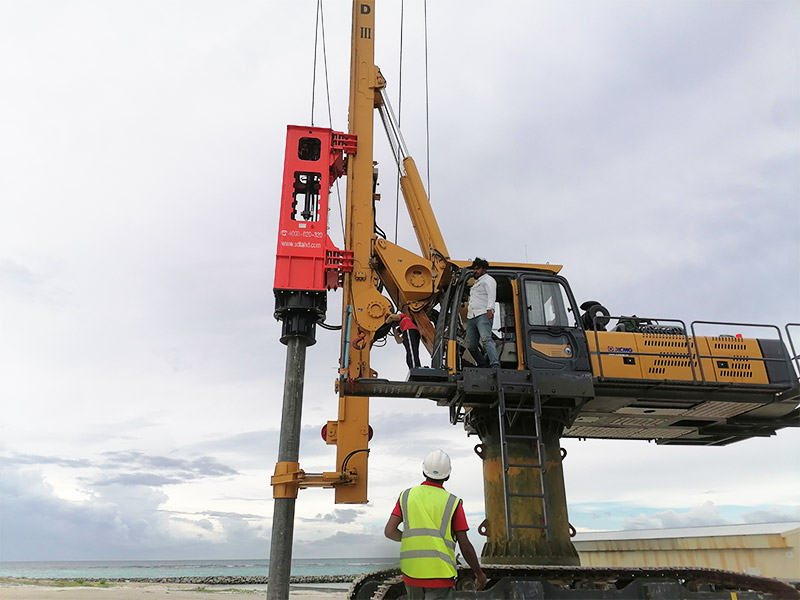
(536, 327)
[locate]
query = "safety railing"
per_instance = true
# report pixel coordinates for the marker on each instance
(795, 358)
(614, 352)
(764, 360)
(689, 348)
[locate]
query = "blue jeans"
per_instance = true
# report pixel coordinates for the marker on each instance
(481, 328)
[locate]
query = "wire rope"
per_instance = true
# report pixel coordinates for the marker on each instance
(399, 109)
(325, 64)
(314, 68)
(427, 113)
(319, 31)
(330, 114)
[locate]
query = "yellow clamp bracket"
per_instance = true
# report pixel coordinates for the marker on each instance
(289, 478)
(285, 481)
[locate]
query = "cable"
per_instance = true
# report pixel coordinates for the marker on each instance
(427, 114)
(399, 109)
(314, 71)
(330, 114)
(330, 327)
(325, 64)
(349, 456)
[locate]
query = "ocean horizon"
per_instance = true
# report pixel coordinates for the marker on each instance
(157, 569)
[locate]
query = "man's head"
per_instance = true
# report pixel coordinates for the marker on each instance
(479, 266)
(436, 466)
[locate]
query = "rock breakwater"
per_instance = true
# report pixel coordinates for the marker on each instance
(218, 579)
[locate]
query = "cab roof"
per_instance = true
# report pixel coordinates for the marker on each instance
(466, 264)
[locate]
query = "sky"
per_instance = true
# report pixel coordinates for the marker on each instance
(651, 148)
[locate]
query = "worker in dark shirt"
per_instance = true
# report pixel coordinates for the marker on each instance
(411, 337)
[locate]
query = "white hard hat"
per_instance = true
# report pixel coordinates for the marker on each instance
(436, 465)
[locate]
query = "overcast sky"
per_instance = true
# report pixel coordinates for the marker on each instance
(653, 148)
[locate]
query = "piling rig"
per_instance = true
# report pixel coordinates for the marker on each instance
(562, 372)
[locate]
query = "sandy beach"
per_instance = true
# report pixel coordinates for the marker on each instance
(40, 590)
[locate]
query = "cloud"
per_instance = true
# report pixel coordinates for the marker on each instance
(600, 514)
(20, 279)
(339, 515)
(188, 469)
(774, 514)
(599, 472)
(225, 515)
(205, 524)
(35, 521)
(37, 459)
(147, 479)
(125, 521)
(131, 467)
(615, 516)
(348, 545)
(703, 514)
(249, 442)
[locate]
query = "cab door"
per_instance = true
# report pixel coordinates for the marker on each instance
(553, 337)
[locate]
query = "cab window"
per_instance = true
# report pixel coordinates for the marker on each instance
(548, 305)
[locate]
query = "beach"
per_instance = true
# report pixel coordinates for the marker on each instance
(48, 590)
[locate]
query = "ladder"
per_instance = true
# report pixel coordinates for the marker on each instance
(506, 417)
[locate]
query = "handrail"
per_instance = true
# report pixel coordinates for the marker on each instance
(795, 358)
(599, 353)
(691, 346)
(763, 359)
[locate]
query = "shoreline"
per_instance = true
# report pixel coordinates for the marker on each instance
(20, 588)
(196, 580)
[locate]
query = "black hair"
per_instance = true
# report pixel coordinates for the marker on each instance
(481, 263)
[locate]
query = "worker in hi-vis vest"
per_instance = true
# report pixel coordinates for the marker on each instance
(433, 520)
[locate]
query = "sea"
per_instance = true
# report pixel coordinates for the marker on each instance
(155, 569)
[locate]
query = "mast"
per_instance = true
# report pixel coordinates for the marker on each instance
(364, 308)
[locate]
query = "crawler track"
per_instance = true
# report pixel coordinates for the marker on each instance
(587, 583)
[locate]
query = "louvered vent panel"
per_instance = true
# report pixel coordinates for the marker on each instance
(721, 410)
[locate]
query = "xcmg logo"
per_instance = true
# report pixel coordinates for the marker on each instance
(620, 350)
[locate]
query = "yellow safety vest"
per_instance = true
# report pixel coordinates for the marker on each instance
(428, 547)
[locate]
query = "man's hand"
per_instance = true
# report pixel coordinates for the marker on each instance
(480, 580)
(469, 554)
(490, 314)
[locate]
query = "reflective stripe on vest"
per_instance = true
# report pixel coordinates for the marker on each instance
(427, 533)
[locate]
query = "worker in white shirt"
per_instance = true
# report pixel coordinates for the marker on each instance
(480, 315)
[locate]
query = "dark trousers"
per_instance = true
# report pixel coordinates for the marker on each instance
(411, 343)
(418, 593)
